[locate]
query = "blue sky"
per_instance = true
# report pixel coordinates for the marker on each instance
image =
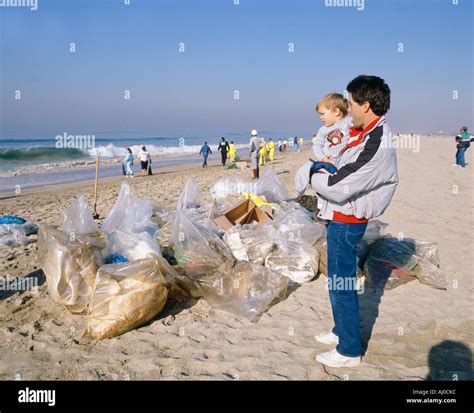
(228, 47)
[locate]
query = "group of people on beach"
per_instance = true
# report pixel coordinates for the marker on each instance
(463, 142)
(143, 157)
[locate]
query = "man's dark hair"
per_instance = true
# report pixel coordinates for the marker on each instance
(371, 89)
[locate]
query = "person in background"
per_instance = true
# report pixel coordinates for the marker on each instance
(232, 151)
(223, 147)
(463, 142)
(144, 157)
(301, 143)
(254, 147)
(280, 146)
(128, 162)
(296, 143)
(285, 145)
(271, 150)
(205, 151)
(263, 152)
(313, 139)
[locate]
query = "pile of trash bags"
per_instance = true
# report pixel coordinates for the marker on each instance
(122, 274)
(14, 230)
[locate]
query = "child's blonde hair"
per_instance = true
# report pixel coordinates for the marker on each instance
(334, 101)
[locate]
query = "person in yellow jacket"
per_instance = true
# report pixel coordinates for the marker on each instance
(232, 152)
(301, 143)
(271, 150)
(263, 152)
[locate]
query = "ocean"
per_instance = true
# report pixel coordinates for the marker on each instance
(28, 163)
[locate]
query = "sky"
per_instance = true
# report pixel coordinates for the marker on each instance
(228, 48)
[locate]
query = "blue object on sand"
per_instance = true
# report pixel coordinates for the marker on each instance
(115, 259)
(11, 219)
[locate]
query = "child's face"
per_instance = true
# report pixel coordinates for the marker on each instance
(329, 117)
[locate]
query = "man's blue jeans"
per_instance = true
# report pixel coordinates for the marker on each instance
(460, 157)
(342, 247)
(204, 159)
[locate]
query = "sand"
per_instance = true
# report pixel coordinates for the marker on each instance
(412, 332)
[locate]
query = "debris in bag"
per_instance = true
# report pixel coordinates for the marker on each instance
(298, 261)
(70, 260)
(14, 230)
(126, 296)
(70, 263)
(250, 243)
(246, 290)
(270, 186)
(131, 245)
(232, 186)
(427, 269)
(389, 262)
(244, 212)
(78, 217)
(130, 213)
(191, 195)
(115, 259)
(196, 250)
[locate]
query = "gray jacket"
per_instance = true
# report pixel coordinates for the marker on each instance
(366, 178)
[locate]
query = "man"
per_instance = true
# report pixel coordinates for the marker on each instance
(463, 141)
(145, 158)
(223, 147)
(254, 146)
(361, 189)
(205, 151)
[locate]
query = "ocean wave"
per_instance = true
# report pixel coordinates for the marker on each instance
(40, 153)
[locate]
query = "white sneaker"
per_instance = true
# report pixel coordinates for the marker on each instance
(334, 359)
(327, 337)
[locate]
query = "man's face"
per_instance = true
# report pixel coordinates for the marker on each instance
(357, 112)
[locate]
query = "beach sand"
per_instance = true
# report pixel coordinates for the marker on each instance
(415, 331)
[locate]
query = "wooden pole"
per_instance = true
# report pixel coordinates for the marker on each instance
(96, 187)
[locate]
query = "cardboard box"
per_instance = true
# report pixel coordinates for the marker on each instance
(244, 212)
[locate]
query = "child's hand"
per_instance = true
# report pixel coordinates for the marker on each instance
(326, 159)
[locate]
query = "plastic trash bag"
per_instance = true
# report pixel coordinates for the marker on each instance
(196, 250)
(14, 230)
(131, 246)
(298, 262)
(191, 195)
(130, 213)
(375, 229)
(70, 263)
(295, 224)
(250, 242)
(270, 186)
(427, 269)
(232, 186)
(389, 262)
(126, 296)
(78, 217)
(246, 290)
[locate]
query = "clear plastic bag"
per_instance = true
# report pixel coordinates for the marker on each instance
(295, 224)
(232, 187)
(131, 246)
(78, 217)
(16, 234)
(130, 214)
(389, 262)
(191, 195)
(251, 242)
(246, 290)
(196, 250)
(70, 263)
(427, 269)
(126, 296)
(298, 262)
(270, 186)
